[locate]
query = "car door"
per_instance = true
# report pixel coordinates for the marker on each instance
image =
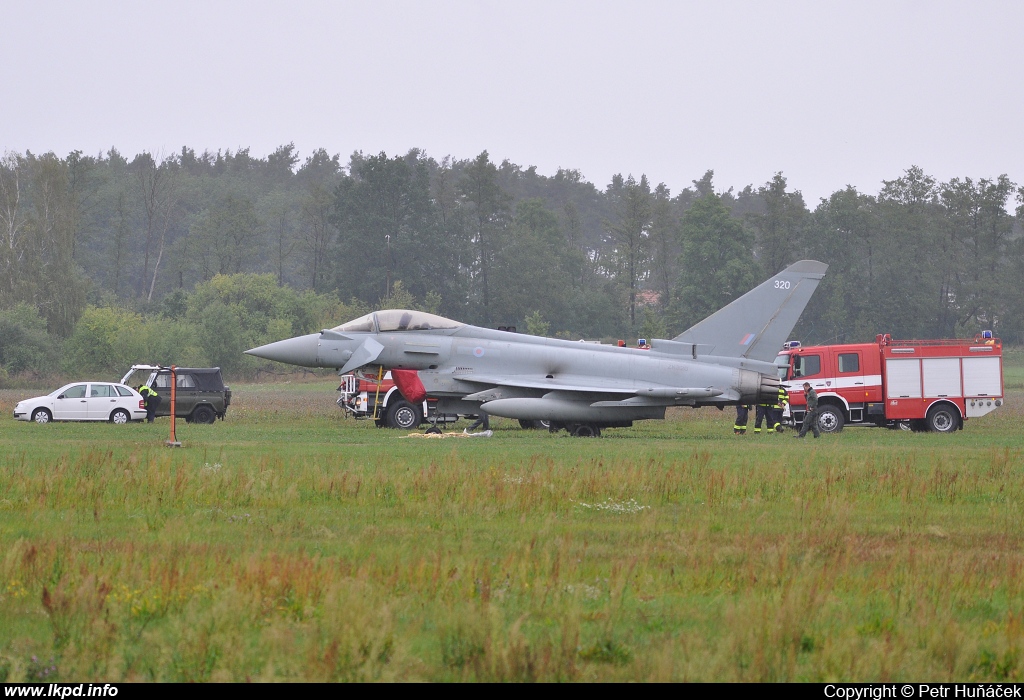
(187, 394)
(102, 401)
(72, 404)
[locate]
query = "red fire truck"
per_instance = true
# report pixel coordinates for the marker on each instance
(912, 384)
(363, 396)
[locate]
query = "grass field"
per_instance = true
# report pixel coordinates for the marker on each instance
(286, 543)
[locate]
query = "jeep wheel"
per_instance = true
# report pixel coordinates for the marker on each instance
(204, 414)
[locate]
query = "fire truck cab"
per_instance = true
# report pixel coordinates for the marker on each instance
(919, 385)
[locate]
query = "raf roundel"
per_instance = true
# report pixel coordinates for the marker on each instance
(478, 352)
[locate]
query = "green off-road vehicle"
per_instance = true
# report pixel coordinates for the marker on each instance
(200, 394)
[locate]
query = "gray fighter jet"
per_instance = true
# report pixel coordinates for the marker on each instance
(726, 359)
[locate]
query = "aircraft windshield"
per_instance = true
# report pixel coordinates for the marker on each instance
(363, 324)
(782, 364)
(402, 320)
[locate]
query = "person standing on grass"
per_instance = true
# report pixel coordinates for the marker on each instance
(742, 416)
(775, 415)
(152, 400)
(811, 417)
(482, 420)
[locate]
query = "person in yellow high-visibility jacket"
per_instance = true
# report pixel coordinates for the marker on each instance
(152, 400)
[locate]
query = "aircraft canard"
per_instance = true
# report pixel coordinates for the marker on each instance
(725, 359)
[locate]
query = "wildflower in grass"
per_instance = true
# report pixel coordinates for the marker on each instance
(15, 590)
(612, 506)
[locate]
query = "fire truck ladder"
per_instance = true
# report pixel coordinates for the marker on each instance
(376, 396)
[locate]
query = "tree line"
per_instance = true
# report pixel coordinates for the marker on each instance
(198, 256)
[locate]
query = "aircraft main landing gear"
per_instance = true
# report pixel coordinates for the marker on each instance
(583, 430)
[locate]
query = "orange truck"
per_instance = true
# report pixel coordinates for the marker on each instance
(921, 385)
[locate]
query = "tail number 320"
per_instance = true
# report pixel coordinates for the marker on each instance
(782, 284)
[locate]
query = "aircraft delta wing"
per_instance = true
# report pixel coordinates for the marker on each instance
(582, 387)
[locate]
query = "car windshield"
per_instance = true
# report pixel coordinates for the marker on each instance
(404, 320)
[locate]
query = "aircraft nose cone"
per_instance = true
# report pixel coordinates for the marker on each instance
(293, 351)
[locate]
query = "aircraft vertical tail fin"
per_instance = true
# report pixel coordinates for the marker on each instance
(757, 324)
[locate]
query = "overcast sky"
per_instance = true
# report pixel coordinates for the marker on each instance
(829, 93)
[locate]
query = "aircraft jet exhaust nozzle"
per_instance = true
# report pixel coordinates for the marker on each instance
(769, 391)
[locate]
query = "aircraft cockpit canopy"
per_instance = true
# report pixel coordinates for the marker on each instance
(402, 320)
(397, 320)
(363, 324)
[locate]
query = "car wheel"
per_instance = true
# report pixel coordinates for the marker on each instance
(942, 419)
(203, 414)
(830, 419)
(120, 417)
(403, 415)
(41, 416)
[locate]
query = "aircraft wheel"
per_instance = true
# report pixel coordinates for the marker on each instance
(585, 430)
(433, 430)
(942, 419)
(830, 419)
(535, 424)
(403, 416)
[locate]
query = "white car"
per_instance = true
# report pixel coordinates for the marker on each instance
(107, 401)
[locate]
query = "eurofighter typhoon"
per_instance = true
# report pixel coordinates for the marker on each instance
(726, 359)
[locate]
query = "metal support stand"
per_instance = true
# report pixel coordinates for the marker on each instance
(173, 442)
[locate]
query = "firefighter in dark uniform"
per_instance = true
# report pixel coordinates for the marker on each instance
(742, 416)
(811, 417)
(775, 417)
(763, 413)
(152, 400)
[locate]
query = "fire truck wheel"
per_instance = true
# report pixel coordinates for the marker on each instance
(830, 419)
(403, 415)
(942, 419)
